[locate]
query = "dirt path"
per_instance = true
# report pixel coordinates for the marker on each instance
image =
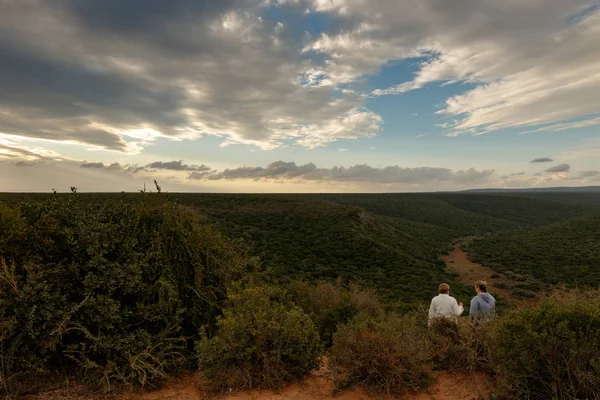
(318, 386)
(469, 272)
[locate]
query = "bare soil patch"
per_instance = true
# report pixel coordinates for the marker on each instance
(469, 272)
(318, 386)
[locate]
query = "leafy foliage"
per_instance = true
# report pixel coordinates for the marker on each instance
(117, 288)
(392, 242)
(551, 351)
(264, 340)
(389, 355)
(330, 304)
(112, 291)
(462, 346)
(566, 253)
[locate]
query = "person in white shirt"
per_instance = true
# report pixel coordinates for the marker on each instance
(444, 306)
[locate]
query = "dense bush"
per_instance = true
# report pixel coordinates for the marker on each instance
(330, 304)
(264, 340)
(459, 347)
(111, 291)
(562, 253)
(551, 351)
(389, 355)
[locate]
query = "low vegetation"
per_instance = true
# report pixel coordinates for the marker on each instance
(551, 351)
(331, 304)
(124, 290)
(264, 340)
(111, 293)
(388, 355)
(547, 351)
(563, 253)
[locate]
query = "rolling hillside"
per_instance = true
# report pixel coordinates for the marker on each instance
(562, 253)
(316, 239)
(469, 214)
(391, 241)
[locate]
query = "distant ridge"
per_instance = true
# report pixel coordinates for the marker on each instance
(575, 189)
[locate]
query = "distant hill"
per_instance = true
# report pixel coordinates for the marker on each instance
(574, 189)
(474, 213)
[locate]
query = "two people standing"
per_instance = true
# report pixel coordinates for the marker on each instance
(443, 305)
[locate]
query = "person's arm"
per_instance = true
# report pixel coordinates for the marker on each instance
(431, 313)
(456, 309)
(474, 307)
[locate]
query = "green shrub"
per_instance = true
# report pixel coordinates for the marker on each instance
(522, 294)
(112, 292)
(459, 347)
(330, 304)
(391, 355)
(264, 340)
(551, 351)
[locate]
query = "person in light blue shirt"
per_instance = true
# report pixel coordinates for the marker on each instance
(483, 306)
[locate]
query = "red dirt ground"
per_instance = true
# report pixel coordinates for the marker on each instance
(452, 386)
(470, 272)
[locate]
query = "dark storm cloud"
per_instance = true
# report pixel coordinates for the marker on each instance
(541, 160)
(559, 168)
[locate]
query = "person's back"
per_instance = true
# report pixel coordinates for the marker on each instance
(444, 306)
(483, 305)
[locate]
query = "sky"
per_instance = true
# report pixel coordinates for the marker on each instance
(298, 95)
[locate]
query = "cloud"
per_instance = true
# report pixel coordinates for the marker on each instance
(528, 64)
(589, 174)
(517, 173)
(92, 165)
(22, 163)
(541, 160)
(559, 168)
(177, 166)
(282, 170)
(117, 75)
(16, 149)
(157, 165)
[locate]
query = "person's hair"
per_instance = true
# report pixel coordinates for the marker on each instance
(444, 288)
(482, 285)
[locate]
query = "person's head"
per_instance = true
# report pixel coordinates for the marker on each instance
(481, 287)
(444, 288)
